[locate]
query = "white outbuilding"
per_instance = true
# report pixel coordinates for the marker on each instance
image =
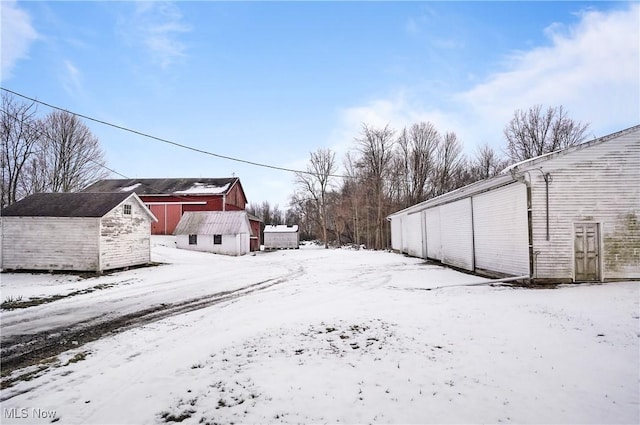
(281, 237)
(219, 232)
(76, 232)
(568, 216)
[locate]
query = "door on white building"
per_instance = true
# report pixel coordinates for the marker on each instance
(587, 251)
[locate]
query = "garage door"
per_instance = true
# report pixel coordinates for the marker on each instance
(396, 233)
(432, 231)
(457, 234)
(501, 230)
(412, 236)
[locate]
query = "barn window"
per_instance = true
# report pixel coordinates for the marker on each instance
(217, 239)
(127, 209)
(193, 239)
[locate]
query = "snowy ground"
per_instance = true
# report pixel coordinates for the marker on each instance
(348, 336)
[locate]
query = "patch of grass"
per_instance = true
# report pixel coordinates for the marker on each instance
(168, 417)
(28, 376)
(15, 303)
(11, 301)
(77, 358)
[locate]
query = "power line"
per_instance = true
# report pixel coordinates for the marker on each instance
(42, 133)
(159, 139)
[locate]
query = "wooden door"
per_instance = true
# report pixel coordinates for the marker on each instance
(587, 247)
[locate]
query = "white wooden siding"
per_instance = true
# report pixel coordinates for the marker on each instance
(396, 233)
(457, 234)
(501, 230)
(597, 184)
(237, 244)
(433, 233)
(50, 243)
(412, 237)
(125, 238)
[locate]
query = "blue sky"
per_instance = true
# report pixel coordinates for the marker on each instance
(271, 82)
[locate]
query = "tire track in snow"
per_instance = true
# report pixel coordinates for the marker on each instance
(24, 350)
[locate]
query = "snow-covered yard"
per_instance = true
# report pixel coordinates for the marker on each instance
(347, 336)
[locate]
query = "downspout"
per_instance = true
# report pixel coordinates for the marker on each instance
(473, 238)
(532, 255)
(224, 202)
(547, 179)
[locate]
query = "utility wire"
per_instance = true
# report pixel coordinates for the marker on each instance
(159, 139)
(42, 133)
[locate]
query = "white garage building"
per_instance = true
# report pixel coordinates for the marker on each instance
(281, 237)
(219, 232)
(567, 216)
(76, 232)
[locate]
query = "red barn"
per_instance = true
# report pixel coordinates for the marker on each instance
(168, 199)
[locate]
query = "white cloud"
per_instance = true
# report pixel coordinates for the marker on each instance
(72, 79)
(17, 36)
(590, 68)
(157, 26)
(398, 112)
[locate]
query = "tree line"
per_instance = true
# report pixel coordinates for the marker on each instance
(387, 170)
(54, 153)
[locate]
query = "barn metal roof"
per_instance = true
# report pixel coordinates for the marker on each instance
(213, 223)
(179, 186)
(66, 205)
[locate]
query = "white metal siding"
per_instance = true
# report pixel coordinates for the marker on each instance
(50, 243)
(396, 233)
(412, 237)
(598, 184)
(502, 230)
(434, 245)
(457, 236)
(125, 240)
(281, 240)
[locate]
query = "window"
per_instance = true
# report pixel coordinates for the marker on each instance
(193, 239)
(127, 209)
(217, 239)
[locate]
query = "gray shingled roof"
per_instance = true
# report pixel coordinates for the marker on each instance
(162, 186)
(65, 205)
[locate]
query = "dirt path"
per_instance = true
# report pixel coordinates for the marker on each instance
(19, 351)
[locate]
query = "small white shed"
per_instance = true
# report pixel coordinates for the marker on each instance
(76, 232)
(281, 237)
(568, 216)
(219, 232)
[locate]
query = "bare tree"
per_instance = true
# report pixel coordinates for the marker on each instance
(449, 165)
(376, 149)
(315, 183)
(74, 158)
(20, 135)
(417, 147)
(486, 163)
(536, 132)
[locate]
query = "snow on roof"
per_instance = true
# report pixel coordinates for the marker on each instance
(201, 188)
(281, 228)
(168, 186)
(213, 223)
(130, 188)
